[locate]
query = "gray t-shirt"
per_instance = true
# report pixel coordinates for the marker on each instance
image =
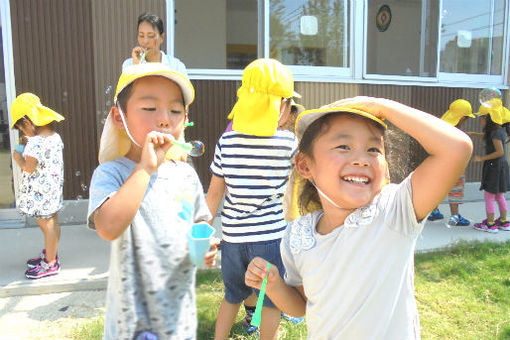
(359, 278)
(151, 285)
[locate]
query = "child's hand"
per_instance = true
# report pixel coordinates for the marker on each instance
(154, 150)
(136, 54)
(210, 256)
(375, 106)
(256, 272)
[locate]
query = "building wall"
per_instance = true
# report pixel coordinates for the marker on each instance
(52, 45)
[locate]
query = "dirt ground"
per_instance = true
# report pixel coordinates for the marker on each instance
(47, 316)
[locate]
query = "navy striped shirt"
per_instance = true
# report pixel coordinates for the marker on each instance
(255, 170)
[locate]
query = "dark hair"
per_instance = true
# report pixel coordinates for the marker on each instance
(152, 19)
(490, 126)
(123, 97)
(309, 197)
(52, 125)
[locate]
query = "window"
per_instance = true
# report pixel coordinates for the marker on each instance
(216, 34)
(472, 36)
(459, 42)
(309, 32)
(401, 38)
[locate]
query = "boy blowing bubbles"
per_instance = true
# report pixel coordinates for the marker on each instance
(145, 203)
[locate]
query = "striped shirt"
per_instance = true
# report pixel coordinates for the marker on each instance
(255, 170)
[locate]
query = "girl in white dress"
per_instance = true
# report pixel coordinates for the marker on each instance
(40, 194)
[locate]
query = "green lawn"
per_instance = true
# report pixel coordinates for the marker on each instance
(462, 294)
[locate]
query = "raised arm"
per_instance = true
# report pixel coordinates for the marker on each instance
(113, 217)
(449, 149)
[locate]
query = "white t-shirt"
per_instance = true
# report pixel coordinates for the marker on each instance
(359, 279)
(173, 62)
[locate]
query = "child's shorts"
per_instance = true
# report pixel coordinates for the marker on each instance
(456, 194)
(235, 258)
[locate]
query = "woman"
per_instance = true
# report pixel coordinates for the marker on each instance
(150, 37)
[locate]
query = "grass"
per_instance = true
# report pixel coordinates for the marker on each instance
(462, 294)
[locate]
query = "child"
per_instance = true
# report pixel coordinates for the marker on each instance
(250, 302)
(495, 174)
(252, 162)
(40, 194)
(458, 112)
(349, 265)
(146, 205)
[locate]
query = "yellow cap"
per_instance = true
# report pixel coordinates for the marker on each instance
(28, 104)
(499, 114)
(458, 108)
(137, 71)
(115, 142)
(305, 119)
(265, 82)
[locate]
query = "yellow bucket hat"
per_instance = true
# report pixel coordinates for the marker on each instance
(28, 104)
(499, 114)
(458, 108)
(115, 142)
(265, 82)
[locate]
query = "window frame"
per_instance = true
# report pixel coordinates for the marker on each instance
(356, 71)
(480, 80)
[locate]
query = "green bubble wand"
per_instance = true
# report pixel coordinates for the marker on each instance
(255, 320)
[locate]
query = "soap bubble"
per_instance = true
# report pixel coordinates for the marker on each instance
(77, 173)
(84, 187)
(198, 148)
(79, 197)
(108, 90)
(490, 97)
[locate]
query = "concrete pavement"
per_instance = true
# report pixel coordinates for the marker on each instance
(85, 256)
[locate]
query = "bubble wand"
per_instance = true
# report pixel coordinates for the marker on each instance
(142, 57)
(255, 320)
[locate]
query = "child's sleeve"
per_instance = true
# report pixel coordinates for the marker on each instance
(292, 276)
(216, 167)
(399, 209)
(33, 148)
(105, 182)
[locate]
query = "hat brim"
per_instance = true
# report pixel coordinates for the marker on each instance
(134, 72)
(306, 118)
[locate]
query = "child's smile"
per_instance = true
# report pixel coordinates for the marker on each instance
(348, 162)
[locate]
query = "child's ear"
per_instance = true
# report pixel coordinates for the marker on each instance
(301, 165)
(116, 118)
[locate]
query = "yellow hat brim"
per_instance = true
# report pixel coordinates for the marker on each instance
(306, 118)
(134, 72)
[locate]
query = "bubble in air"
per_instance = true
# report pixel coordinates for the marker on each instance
(490, 97)
(77, 173)
(84, 187)
(79, 197)
(198, 148)
(108, 90)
